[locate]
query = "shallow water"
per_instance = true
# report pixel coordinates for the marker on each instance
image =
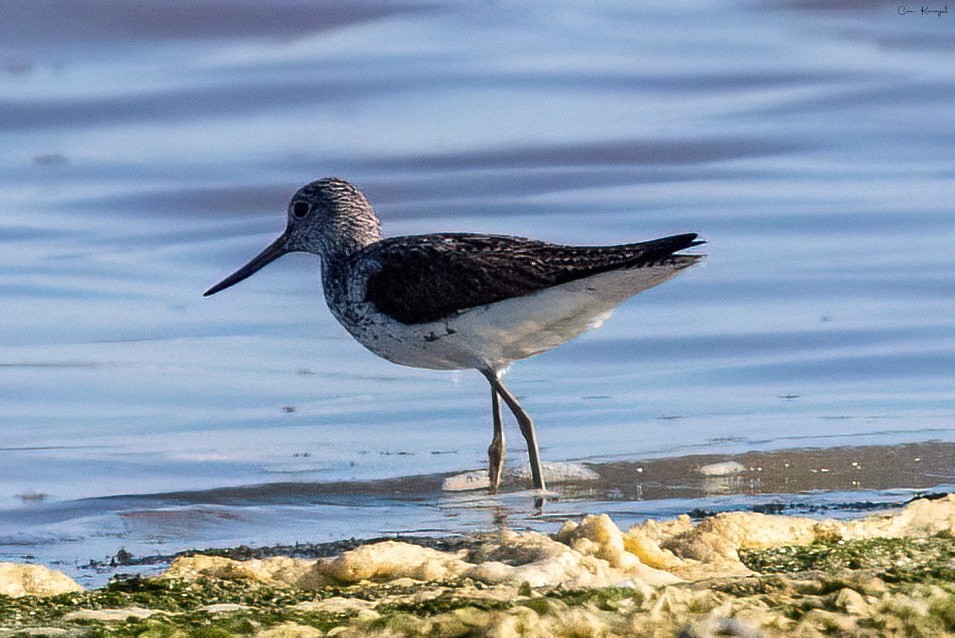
(148, 151)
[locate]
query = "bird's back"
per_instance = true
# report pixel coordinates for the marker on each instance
(425, 278)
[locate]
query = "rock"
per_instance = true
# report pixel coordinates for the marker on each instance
(598, 536)
(111, 615)
(537, 560)
(710, 548)
(713, 626)
(389, 560)
(753, 530)
(557, 473)
(474, 480)
(850, 602)
(643, 542)
(923, 517)
(278, 571)
(18, 580)
(554, 473)
(290, 630)
(224, 608)
(728, 468)
(336, 605)
(863, 582)
(679, 601)
(587, 555)
(819, 622)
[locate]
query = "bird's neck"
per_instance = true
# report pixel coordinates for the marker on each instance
(351, 232)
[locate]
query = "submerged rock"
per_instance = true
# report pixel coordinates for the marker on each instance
(555, 473)
(726, 468)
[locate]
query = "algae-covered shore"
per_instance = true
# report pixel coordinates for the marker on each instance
(736, 573)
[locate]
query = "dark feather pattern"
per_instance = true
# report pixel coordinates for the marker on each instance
(425, 278)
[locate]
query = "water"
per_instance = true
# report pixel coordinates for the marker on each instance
(148, 150)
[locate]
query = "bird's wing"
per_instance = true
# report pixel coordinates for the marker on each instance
(426, 278)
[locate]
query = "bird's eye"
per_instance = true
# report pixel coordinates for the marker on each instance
(300, 209)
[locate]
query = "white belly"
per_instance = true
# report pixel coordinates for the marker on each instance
(492, 336)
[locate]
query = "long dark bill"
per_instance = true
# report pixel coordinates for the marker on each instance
(275, 250)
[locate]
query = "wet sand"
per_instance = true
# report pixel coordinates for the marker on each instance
(914, 466)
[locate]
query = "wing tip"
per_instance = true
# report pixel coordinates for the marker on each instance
(675, 243)
(685, 240)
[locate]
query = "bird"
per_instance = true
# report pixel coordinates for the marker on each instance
(457, 301)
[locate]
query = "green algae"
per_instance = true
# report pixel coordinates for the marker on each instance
(603, 598)
(443, 603)
(411, 609)
(906, 585)
(180, 604)
(893, 559)
(944, 610)
(182, 615)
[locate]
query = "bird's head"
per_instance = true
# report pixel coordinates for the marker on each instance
(329, 217)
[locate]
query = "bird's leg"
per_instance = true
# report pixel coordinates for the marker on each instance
(495, 452)
(525, 423)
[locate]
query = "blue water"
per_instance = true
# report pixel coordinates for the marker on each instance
(148, 149)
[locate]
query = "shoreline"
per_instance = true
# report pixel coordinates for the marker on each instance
(836, 482)
(733, 573)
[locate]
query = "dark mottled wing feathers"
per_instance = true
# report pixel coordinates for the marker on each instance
(425, 278)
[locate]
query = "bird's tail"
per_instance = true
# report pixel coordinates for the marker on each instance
(662, 252)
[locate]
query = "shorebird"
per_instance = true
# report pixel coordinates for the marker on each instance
(456, 301)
